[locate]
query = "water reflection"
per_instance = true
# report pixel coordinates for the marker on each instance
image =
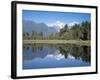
(59, 55)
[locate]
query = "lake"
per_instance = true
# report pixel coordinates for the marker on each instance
(37, 56)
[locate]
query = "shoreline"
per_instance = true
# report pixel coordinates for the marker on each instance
(80, 42)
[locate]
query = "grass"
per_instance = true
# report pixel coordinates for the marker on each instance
(79, 42)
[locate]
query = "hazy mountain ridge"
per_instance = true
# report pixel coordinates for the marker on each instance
(29, 26)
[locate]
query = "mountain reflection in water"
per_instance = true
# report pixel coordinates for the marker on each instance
(38, 56)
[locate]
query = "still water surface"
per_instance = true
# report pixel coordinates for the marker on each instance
(37, 56)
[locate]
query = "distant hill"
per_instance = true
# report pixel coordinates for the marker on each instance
(29, 26)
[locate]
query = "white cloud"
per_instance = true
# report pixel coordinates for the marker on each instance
(60, 24)
(57, 25)
(73, 23)
(56, 55)
(70, 56)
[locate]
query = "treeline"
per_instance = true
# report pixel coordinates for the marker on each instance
(80, 31)
(39, 36)
(77, 31)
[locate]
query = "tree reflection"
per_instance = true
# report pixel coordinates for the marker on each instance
(86, 54)
(77, 51)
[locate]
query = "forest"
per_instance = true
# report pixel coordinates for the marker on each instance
(80, 31)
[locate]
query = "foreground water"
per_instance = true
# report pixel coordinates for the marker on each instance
(37, 56)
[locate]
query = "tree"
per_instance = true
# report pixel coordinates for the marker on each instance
(66, 27)
(63, 30)
(27, 35)
(86, 30)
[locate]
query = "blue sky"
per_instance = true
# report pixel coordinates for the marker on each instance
(51, 18)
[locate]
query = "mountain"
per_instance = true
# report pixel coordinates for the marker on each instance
(29, 26)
